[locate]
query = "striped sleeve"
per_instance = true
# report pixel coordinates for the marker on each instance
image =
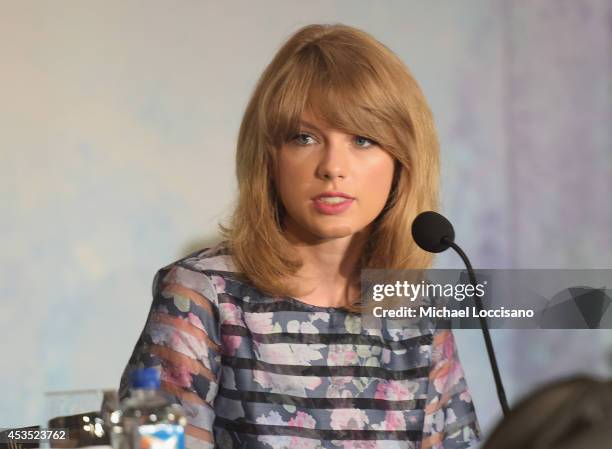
(181, 338)
(450, 419)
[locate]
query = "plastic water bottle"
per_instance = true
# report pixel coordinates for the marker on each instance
(148, 420)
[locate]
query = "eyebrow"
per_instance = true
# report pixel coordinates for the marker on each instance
(308, 125)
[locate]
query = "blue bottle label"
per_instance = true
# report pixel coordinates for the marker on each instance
(161, 436)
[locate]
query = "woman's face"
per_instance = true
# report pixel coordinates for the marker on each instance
(332, 184)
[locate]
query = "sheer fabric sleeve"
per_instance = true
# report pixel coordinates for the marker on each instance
(181, 338)
(450, 419)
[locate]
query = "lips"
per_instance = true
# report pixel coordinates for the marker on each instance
(333, 194)
(332, 203)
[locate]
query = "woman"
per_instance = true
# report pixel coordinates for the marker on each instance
(260, 337)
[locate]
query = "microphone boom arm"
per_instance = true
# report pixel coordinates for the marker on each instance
(501, 394)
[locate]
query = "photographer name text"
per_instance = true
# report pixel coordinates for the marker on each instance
(444, 312)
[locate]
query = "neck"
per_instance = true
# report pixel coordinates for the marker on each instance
(330, 274)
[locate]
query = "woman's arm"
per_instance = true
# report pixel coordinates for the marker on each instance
(450, 420)
(182, 337)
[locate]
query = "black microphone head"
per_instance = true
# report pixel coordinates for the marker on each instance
(432, 232)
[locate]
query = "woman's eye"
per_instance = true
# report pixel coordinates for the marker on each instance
(364, 142)
(302, 139)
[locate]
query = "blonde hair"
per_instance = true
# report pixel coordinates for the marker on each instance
(353, 83)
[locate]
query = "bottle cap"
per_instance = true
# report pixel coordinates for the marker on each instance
(145, 378)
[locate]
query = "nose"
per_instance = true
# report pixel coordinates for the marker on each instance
(334, 162)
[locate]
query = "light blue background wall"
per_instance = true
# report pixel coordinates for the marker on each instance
(117, 130)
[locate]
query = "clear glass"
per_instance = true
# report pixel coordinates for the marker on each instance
(80, 412)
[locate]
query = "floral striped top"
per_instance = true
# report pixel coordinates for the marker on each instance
(252, 371)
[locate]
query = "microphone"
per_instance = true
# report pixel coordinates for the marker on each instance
(434, 233)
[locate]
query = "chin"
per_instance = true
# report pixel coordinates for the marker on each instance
(335, 231)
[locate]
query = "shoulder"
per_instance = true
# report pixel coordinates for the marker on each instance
(214, 260)
(199, 271)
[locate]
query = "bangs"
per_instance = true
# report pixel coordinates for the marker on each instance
(341, 88)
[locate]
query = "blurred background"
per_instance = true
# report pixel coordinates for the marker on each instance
(118, 122)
